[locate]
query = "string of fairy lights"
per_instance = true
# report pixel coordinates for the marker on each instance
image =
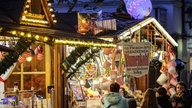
(36, 19)
(52, 40)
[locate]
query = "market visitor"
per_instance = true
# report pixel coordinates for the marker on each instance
(149, 99)
(163, 98)
(181, 99)
(130, 99)
(124, 93)
(113, 99)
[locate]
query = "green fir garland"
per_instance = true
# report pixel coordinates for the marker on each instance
(72, 58)
(12, 57)
(82, 61)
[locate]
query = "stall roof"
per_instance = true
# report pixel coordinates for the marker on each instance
(156, 25)
(127, 26)
(11, 13)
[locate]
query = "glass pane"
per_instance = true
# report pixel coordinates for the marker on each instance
(9, 83)
(37, 82)
(17, 67)
(38, 60)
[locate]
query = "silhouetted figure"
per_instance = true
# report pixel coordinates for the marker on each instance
(163, 98)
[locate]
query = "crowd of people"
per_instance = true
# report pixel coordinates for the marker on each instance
(152, 98)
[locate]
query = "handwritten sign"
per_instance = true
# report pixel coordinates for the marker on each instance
(137, 58)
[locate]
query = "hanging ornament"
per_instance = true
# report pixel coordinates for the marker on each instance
(138, 8)
(39, 49)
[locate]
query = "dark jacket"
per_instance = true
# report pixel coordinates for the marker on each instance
(181, 101)
(163, 101)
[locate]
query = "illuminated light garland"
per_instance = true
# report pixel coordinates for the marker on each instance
(51, 10)
(83, 43)
(34, 20)
(55, 21)
(25, 12)
(27, 6)
(61, 41)
(49, 4)
(28, 35)
(29, 1)
(127, 33)
(46, 39)
(53, 15)
(14, 32)
(22, 33)
(37, 37)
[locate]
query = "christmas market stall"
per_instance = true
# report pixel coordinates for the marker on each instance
(31, 74)
(144, 57)
(69, 59)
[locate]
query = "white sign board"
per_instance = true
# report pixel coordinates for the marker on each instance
(137, 58)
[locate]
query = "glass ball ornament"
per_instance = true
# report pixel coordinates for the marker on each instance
(138, 9)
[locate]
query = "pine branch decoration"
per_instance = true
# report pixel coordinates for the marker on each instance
(83, 61)
(12, 57)
(72, 58)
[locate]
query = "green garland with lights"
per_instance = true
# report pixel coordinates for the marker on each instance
(82, 60)
(72, 58)
(12, 57)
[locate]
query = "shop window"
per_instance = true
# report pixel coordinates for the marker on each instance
(30, 74)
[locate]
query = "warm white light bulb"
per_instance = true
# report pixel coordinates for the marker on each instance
(29, 58)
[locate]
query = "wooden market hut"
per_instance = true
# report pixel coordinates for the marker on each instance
(38, 23)
(28, 22)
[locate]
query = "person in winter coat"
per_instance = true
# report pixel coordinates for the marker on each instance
(113, 99)
(163, 98)
(149, 99)
(181, 99)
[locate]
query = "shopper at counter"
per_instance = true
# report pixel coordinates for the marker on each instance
(163, 98)
(181, 99)
(113, 99)
(149, 99)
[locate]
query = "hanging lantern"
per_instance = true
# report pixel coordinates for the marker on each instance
(138, 8)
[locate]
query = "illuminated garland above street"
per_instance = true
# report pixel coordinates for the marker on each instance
(65, 41)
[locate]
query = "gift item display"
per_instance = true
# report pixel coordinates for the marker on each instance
(24, 99)
(92, 23)
(90, 84)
